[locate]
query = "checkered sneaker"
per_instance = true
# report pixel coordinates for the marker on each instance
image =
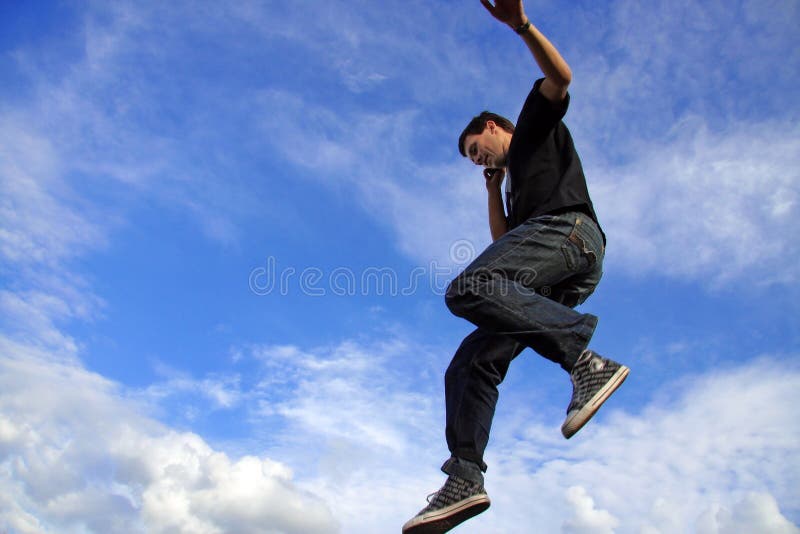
(594, 379)
(458, 500)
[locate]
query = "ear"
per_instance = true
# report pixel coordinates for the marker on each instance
(491, 126)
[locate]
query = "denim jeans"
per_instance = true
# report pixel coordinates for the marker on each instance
(519, 293)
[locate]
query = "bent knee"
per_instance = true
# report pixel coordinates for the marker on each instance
(459, 293)
(451, 294)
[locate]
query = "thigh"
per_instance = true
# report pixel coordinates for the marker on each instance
(574, 290)
(530, 254)
(583, 255)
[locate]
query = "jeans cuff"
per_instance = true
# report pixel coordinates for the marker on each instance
(584, 335)
(465, 469)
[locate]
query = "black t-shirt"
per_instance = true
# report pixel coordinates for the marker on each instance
(545, 171)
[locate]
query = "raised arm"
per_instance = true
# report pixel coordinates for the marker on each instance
(557, 74)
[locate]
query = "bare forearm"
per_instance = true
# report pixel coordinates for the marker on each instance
(554, 67)
(557, 74)
(497, 216)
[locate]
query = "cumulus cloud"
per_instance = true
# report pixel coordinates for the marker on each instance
(76, 456)
(756, 512)
(77, 453)
(586, 519)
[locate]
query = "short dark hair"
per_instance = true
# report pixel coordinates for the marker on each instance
(478, 124)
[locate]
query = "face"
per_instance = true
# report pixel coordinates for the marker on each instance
(488, 148)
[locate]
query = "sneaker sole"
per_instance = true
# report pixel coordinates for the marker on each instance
(440, 521)
(576, 421)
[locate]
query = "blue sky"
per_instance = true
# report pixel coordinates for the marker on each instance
(158, 162)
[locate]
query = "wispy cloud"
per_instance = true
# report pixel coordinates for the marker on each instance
(671, 154)
(40, 222)
(647, 183)
(345, 392)
(707, 205)
(218, 391)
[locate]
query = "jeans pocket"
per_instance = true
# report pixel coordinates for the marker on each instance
(577, 251)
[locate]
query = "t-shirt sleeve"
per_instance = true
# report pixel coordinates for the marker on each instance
(540, 115)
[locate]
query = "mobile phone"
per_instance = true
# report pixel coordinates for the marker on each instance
(490, 173)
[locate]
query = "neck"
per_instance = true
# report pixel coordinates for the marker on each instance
(506, 144)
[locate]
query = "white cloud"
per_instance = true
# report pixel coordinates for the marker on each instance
(31, 316)
(75, 456)
(701, 445)
(690, 454)
(446, 200)
(221, 390)
(626, 87)
(38, 226)
(701, 202)
(88, 141)
(350, 392)
(587, 519)
(372, 409)
(652, 206)
(420, 51)
(706, 205)
(74, 451)
(756, 512)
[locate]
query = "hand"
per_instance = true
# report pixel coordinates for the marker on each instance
(507, 11)
(494, 178)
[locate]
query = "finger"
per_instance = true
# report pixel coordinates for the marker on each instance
(488, 5)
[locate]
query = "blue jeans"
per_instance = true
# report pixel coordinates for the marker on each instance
(519, 293)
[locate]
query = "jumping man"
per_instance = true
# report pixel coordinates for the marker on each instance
(546, 258)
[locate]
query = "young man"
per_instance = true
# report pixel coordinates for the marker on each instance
(546, 259)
